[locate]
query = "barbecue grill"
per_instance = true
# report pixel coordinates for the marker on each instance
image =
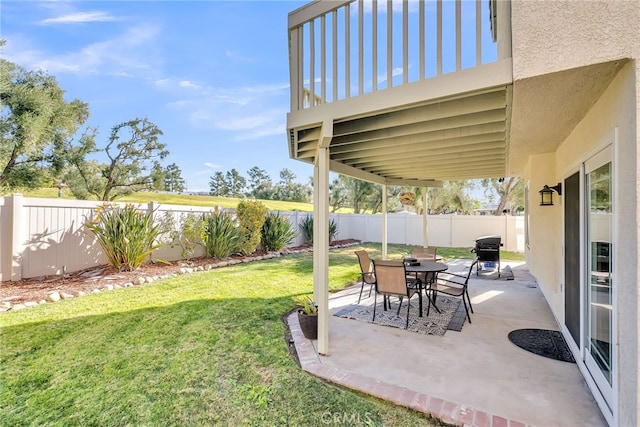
(487, 250)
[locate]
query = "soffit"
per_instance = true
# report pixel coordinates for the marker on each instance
(547, 108)
(461, 137)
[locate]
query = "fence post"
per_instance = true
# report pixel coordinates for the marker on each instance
(451, 230)
(16, 247)
(151, 209)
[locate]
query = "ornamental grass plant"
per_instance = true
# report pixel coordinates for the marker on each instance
(306, 228)
(220, 235)
(276, 232)
(126, 234)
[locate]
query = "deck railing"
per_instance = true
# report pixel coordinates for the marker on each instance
(343, 49)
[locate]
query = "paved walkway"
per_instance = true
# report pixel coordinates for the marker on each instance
(475, 377)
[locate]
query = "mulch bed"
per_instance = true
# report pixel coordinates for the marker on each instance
(38, 288)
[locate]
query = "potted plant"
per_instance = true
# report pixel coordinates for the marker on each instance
(308, 318)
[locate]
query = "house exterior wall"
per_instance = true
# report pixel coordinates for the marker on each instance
(615, 113)
(549, 37)
(555, 35)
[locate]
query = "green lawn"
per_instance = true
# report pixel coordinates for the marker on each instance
(201, 349)
(179, 199)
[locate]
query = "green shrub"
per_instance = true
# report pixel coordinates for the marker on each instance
(191, 233)
(276, 232)
(251, 215)
(187, 234)
(306, 228)
(220, 235)
(127, 235)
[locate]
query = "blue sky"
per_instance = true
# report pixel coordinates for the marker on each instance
(213, 75)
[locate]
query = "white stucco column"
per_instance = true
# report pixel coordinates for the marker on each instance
(425, 220)
(321, 246)
(384, 222)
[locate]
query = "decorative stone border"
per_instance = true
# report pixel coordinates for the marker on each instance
(140, 280)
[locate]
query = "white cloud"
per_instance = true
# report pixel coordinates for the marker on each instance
(248, 122)
(236, 57)
(80, 18)
(263, 132)
(210, 167)
(162, 82)
(246, 113)
(121, 55)
(190, 85)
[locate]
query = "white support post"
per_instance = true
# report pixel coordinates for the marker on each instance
(384, 222)
(425, 220)
(17, 203)
(504, 29)
(321, 246)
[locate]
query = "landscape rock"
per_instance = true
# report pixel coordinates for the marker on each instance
(30, 304)
(54, 297)
(18, 307)
(65, 295)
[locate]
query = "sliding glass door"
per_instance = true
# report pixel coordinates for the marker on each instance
(599, 281)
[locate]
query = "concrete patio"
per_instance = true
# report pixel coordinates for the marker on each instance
(473, 377)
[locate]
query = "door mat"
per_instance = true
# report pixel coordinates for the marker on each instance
(436, 323)
(543, 342)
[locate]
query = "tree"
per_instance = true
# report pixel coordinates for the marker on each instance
(157, 177)
(288, 189)
(35, 123)
(132, 151)
(173, 180)
(453, 197)
(260, 185)
(236, 183)
(338, 194)
(218, 185)
(505, 188)
(359, 194)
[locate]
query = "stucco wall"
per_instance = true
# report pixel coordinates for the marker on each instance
(617, 111)
(554, 35)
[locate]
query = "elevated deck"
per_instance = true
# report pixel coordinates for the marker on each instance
(402, 93)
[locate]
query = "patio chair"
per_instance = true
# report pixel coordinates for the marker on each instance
(454, 285)
(424, 253)
(428, 254)
(366, 272)
(392, 280)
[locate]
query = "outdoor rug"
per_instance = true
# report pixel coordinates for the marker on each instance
(452, 315)
(543, 342)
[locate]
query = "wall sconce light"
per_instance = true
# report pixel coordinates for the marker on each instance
(546, 194)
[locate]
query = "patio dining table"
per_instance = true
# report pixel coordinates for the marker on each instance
(426, 267)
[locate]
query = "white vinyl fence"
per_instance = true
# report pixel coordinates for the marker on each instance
(40, 237)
